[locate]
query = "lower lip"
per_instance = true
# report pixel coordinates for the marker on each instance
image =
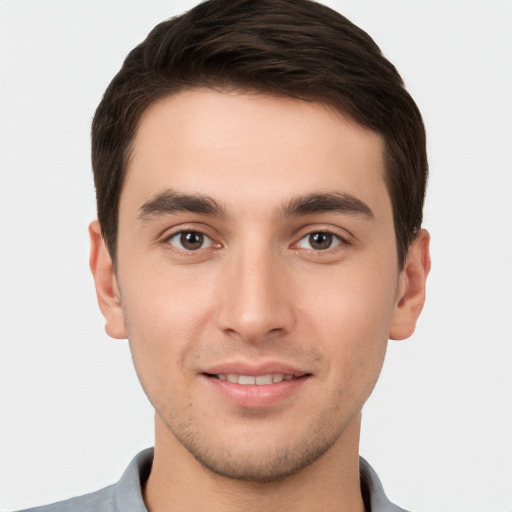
(253, 396)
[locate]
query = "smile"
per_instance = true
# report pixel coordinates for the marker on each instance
(258, 380)
(255, 388)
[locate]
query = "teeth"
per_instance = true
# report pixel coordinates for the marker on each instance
(246, 379)
(260, 380)
(263, 379)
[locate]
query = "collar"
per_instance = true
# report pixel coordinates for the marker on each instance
(128, 491)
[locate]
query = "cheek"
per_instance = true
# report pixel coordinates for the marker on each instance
(352, 315)
(164, 317)
(164, 302)
(355, 300)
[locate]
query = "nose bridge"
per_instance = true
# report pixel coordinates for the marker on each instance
(254, 300)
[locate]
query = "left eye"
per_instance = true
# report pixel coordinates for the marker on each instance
(319, 241)
(190, 240)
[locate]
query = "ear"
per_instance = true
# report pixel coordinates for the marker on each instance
(107, 290)
(411, 288)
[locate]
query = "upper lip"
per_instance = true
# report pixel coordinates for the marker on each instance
(254, 369)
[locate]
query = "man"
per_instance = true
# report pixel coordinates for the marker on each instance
(260, 174)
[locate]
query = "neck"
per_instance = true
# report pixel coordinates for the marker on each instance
(179, 482)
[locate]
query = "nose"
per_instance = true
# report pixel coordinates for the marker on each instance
(256, 296)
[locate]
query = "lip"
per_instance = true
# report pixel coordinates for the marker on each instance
(256, 369)
(254, 396)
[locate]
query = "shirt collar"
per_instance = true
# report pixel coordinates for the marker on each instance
(128, 491)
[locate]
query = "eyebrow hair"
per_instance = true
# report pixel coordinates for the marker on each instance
(327, 202)
(171, 202)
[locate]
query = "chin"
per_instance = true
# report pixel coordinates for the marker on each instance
(257, 463)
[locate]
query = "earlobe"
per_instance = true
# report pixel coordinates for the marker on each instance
(107, 290)
(412, 286)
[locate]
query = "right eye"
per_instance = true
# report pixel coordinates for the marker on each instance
(320, 241)
(190, 241)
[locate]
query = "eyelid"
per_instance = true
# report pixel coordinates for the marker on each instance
(207, 240)
(202, 229)
(196, 227)
(344, 235)
(341, 241)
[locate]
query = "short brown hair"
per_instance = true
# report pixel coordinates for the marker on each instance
(295, 48)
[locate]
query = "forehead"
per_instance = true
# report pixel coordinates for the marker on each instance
(241, 147)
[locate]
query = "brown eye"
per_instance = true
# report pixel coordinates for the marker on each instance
(190, 240)
(319, 241)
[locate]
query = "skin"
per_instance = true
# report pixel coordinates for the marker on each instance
(259, 291)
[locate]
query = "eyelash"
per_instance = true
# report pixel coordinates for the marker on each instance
(331, 236)
(178, 236)
(186, 232)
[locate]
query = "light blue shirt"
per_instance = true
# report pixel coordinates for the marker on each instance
(126, 495)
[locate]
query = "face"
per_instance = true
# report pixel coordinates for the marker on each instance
(257, 276)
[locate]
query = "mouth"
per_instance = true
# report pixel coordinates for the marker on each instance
(255, 387)
(255, 380)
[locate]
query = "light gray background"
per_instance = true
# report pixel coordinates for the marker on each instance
(438, 427)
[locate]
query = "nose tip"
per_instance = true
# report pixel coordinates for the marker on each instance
(255, 302)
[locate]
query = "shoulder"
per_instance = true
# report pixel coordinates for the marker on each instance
(125, 495)
(374, 496)
(99, 501)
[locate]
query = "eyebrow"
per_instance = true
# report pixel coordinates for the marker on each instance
(170, 202)
(336, 202)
